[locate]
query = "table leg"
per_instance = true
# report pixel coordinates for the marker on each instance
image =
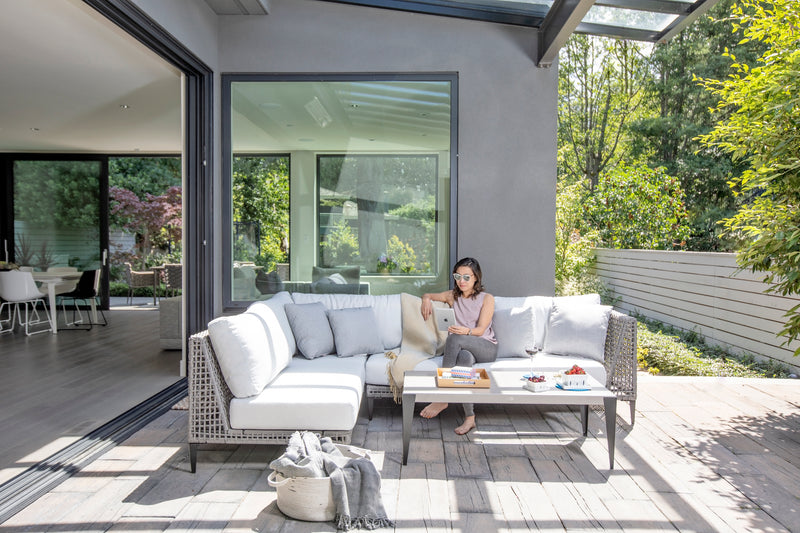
(51, 297)
(610, 405)
(585, 419)
(408, 417)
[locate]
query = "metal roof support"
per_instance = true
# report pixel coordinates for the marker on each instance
(697, 9)
(562, 19)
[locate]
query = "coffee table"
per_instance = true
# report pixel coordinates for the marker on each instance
(506, 388)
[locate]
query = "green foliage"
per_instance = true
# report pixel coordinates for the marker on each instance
(668, 137)
(402, 254)
(340, 246)
(144, 175)
(672, 352)
(261, 195)
(574, 242)
(57, 194)
(601, 89)
(638, 207)
(759, 112)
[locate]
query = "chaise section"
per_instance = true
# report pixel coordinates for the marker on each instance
(324, 393)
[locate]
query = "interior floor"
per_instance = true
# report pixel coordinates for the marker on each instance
(55, 389)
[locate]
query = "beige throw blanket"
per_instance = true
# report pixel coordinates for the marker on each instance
(421, 340)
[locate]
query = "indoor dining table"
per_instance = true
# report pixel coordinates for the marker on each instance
(51, 279)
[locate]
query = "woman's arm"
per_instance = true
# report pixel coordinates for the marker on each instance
(485, 318)
(428, 298)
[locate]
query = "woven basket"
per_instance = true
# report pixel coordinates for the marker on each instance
(309, 498)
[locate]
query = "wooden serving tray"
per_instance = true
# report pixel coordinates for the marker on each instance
(481, 382)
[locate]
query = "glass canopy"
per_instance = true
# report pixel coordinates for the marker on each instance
(643, 20)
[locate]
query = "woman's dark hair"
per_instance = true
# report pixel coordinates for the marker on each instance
(476, 269)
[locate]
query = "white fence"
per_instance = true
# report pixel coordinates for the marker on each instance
(704, 292)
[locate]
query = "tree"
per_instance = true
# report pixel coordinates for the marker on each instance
(760, 124)
(638, 207)
(601, 89)
(144, 175)
(148, 217)
(669, 137)
(261, 196)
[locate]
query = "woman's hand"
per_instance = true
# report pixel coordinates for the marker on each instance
(427, 307)
(459, 330)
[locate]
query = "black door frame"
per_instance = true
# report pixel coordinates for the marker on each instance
(198, 153)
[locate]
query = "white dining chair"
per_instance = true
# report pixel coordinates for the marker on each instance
(66, 285)
(17, 288)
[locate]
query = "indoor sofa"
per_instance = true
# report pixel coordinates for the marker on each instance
(305, 361)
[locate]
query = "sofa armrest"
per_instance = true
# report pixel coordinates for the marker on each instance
(209, 395)
(620, 356)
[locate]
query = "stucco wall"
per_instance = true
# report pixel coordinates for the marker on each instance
(506, 113)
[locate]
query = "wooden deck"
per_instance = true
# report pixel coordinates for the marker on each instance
(54, 389)
(705, 454)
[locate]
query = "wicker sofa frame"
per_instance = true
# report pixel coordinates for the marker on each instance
(620, 364)
(210, 397)
(209, 406)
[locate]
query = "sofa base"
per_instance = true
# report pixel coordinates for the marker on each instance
(262, 437)
(376, 391)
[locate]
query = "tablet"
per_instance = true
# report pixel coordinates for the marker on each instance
(445, 317)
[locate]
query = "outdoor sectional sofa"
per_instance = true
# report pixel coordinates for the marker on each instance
(250, 380)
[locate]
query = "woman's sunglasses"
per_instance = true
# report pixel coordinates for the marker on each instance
(459, 277)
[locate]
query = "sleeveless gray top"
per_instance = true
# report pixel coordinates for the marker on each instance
(468, 310)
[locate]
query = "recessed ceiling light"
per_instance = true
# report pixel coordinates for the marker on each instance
(124, 106)
(354, 106)
(35, 130)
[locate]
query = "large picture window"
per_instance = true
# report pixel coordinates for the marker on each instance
(338, 185)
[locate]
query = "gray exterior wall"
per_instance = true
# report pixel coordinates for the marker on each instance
(506, 115)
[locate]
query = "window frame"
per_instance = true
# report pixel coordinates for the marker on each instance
(227, 81)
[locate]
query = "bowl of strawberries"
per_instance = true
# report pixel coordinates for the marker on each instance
(573, 378)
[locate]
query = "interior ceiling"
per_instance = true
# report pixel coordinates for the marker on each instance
(73, 82)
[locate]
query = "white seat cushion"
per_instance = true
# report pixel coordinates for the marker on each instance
(376, 368)
(313, 394)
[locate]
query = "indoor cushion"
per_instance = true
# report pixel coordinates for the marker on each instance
(240, 343)
(311, 329)
(514, 329)
(355, 331)
(273, 318)
(386, 307)
(320, 394)
(350, 274)
(578, 330)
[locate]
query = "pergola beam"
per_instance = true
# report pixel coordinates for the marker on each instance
(562, 19)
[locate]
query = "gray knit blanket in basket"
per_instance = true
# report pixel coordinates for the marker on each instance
(355, 482)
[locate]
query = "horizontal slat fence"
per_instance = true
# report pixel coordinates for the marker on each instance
(703, 292)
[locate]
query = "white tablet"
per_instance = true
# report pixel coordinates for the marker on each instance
(445, 317)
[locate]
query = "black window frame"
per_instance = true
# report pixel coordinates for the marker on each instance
(227, 80)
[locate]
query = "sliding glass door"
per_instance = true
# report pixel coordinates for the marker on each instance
(59, 215)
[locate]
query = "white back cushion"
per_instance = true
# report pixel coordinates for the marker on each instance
(241, 345)
(273, 318)
(386, 307)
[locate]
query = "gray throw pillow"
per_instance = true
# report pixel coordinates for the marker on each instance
(578, 330)
(355, 331)
(514, 329)
(311, 329)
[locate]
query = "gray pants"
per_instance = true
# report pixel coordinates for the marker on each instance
(466, 350)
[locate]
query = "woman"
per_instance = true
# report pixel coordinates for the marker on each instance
(472, 339)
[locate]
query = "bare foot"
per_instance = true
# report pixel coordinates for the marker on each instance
(433, 409)
(467, 426)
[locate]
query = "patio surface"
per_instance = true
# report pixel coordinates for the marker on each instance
(705, 454)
